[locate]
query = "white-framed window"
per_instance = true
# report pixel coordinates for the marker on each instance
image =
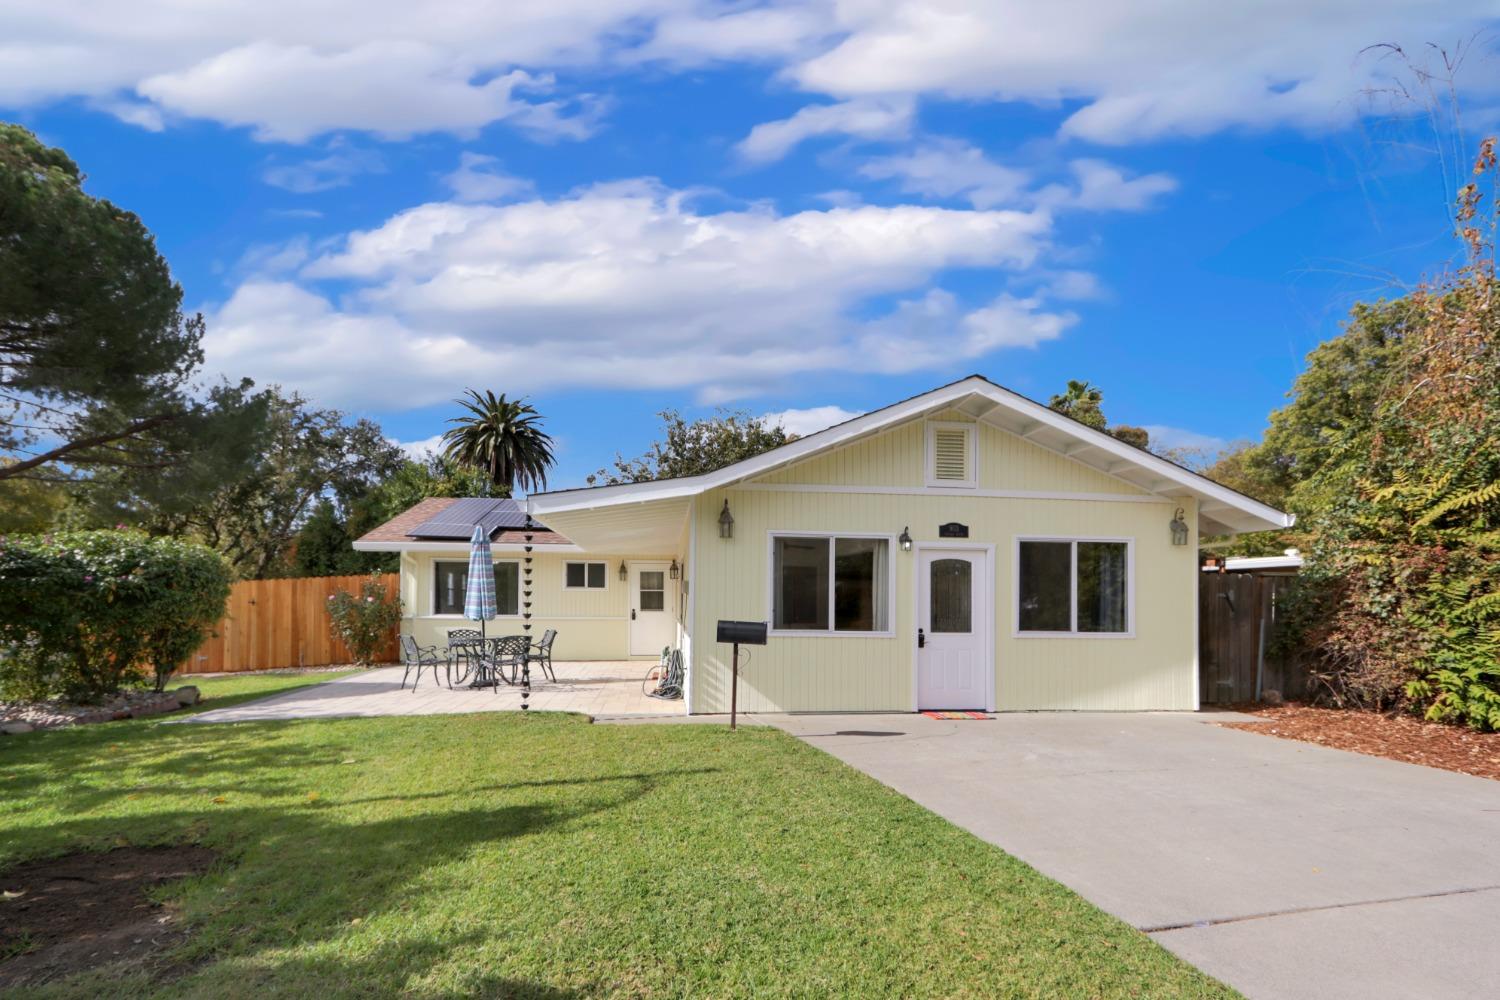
(951, 454)
(585, 576)
(1075, 587)
(830, 584)
(449, 578)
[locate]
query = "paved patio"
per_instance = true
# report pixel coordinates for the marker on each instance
(603, 689)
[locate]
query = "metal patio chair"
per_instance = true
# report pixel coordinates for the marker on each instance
(417, 658)
(541, 653)
(507, 653)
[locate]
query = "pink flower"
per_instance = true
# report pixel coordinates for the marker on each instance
(88, 578)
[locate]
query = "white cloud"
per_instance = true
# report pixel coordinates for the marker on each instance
(1142, 71)
(1075, 286)
(338, 168)
(1103, 187)
(863, 119)
(419, 450)
(810, 420)
(628, 285)
(288, 69)
(479, 178)
(1164, 438)
(950, 168)
(392, 88)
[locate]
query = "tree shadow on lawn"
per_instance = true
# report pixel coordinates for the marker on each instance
(313, 876)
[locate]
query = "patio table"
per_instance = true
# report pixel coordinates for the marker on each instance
(484, 661)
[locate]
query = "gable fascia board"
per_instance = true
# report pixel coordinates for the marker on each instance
(896, 413)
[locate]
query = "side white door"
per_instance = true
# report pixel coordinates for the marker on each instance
(953, 616)
(651, 623)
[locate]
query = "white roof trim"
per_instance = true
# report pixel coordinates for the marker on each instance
(460, 547)
(1168, 475)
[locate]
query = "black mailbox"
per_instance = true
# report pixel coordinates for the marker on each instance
(747, 633)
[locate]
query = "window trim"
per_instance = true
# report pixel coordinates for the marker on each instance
(830, 632)
(432, 611)
(930, 468)
(585, 563)
(1015, 588)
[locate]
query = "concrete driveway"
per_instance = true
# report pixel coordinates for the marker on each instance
(1282, 868)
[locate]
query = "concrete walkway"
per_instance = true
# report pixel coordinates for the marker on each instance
(1281, 868)
(604, 689)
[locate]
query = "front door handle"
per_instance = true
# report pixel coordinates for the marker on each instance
(921, 639)
(632, 614)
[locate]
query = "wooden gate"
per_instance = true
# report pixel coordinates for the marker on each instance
(275, 624)
(1236, 626)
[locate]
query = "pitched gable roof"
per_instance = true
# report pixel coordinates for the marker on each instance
(1221, 508)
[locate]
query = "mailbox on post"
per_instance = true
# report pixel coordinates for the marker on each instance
(749, 633)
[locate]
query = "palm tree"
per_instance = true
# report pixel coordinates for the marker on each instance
(1082, 402)
(503, 437)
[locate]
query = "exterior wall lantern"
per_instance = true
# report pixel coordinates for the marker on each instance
(673, 571)
(624, 573)
(905, 539)
(1179, 528)
(726, 522)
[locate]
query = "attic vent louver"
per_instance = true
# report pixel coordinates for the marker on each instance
(952, 456)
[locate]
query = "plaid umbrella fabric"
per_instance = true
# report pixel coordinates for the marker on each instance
(479, 591)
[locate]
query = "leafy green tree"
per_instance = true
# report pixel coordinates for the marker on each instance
(28, 506)
(1399, 488)
(307, 455)
(95, 352)
(691, 448)
(504, 437)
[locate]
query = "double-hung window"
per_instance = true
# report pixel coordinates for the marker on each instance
(833, 584)
(1076, 586)
(449, 580)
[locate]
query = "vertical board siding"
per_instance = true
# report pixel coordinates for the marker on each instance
(1237, 613)
(276, 624)
(590, 624)
(1154, 669)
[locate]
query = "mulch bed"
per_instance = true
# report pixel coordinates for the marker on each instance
(64, 915)
(1397, 737)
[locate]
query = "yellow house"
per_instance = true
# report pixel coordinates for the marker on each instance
(967, 548)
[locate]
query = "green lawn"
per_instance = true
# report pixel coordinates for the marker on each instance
(446, 856)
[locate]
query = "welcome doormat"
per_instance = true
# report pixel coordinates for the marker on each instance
(957, 715)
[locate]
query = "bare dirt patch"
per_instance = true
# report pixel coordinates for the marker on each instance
(64, 915)
(1397, 737)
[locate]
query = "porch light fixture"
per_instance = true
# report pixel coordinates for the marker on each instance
(1179, 528)
(624, 573)
(726, 522)
(905, 539)
(673, 571)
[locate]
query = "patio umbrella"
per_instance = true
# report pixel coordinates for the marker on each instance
(479, 590)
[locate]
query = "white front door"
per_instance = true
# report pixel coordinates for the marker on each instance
(953, 616)
(652, 625)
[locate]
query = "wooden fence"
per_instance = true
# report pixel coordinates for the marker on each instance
(275, 624)
(1236, 626)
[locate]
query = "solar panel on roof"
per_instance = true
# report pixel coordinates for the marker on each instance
(458, 519)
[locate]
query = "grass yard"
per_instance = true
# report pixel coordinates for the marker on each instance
(490, 854)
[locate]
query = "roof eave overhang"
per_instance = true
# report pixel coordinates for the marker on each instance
(361, 545)
(1234, 512)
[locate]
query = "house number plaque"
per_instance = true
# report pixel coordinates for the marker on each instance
(953, 530)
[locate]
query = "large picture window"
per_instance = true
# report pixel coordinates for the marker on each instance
(1073, 586)
(830, 584)
(450, 578)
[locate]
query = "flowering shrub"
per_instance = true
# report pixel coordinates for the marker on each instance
(83, 613)
(365, 622)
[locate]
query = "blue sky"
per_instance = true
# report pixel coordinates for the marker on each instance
(617, 206)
